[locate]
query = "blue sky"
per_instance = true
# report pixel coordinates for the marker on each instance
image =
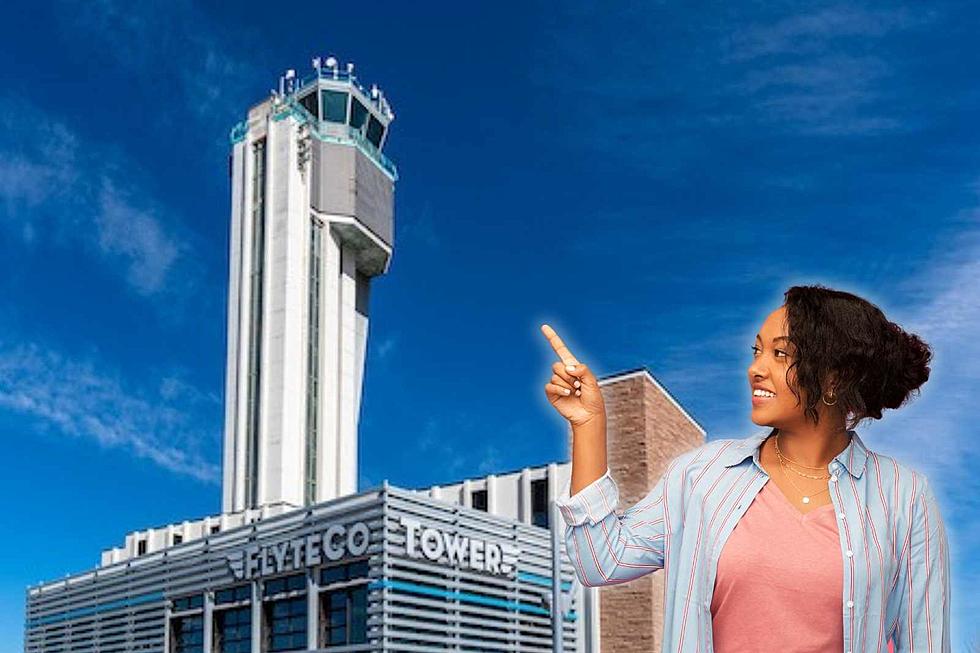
(648, 180)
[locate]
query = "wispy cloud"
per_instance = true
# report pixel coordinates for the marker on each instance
(726, 81)
(136, 236)
(452, 441)
(813, 31)
(73, 192)
(80, 398)
(935, 433)
(386, 346)
(824, 72)
(945, 312)
(173, 46)
(433, 443)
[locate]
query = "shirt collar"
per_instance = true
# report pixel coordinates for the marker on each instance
(852, 458)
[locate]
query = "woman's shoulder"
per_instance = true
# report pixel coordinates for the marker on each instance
(894, 476)
(711, 456)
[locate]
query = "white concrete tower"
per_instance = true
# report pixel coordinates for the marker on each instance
(312, 201)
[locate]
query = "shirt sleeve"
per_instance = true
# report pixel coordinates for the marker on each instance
(608, 548)
(923, 614)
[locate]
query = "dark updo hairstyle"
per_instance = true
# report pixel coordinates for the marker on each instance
(876, 363)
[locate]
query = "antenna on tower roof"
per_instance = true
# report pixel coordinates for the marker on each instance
(332, 64)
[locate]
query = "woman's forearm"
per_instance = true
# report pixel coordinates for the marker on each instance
(588, 452)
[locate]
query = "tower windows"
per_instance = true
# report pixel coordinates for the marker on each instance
(539, 502)
(255, 322)
(334, 105)
(309, 102)
(313, 362)
(187, 627)
(284, 615)
(233, 630)
(478, 499)
(358, 114)
(375, 131)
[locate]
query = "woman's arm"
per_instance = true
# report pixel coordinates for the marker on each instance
(607, 548)
(923, 612)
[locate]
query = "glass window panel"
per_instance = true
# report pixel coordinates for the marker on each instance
(358, 113)
(359, 569)
(187, 634)
(233, 630)
(331, 574)
(375, 131)
(309, 102)
(479, 499)
(287, 624)
(334, 105)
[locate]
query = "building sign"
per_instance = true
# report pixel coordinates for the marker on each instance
(332, 544)
(459, 550)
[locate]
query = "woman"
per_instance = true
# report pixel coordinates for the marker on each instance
(797, 537)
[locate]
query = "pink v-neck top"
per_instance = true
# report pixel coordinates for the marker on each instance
(780, 580)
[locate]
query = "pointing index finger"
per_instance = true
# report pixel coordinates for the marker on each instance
(556, 343)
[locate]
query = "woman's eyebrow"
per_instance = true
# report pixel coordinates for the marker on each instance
(786, 338)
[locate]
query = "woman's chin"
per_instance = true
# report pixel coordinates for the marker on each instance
(759, 417)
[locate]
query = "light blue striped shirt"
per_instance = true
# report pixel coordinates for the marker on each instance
(892, 539)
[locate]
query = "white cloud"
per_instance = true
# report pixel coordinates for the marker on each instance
(71, 192)
(386, 346)
(137, 237)
(811, 32)
(79, 399)
(171, 45)
(812, 72)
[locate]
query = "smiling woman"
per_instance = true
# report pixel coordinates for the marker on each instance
(797, 537)
(845, 345)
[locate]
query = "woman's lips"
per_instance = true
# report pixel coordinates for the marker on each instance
(758, 401)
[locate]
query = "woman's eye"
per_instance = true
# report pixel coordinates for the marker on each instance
(755, 350)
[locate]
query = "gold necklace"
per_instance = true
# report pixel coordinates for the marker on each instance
(806, 497)
(783, 466)
(778, 453)
(782, 460)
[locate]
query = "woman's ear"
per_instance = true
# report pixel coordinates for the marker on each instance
(830, 385)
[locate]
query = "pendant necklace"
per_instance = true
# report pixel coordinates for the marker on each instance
(784, 466)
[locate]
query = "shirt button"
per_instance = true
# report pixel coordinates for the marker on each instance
(850, 604)
(833, 479)
(841, 515)
(849, 553)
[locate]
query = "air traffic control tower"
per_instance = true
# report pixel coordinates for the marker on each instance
(311, 224)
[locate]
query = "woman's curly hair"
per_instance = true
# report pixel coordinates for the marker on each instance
(876, 364)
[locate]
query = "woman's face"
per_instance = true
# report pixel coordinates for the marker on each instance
(772, 355)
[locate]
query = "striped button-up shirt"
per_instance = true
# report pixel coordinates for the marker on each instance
(892, 540)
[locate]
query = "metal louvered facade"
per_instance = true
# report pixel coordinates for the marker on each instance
(408, 572)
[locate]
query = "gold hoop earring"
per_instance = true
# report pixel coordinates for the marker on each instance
(827, 402)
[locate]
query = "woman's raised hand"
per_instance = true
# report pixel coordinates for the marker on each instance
(573, 389)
